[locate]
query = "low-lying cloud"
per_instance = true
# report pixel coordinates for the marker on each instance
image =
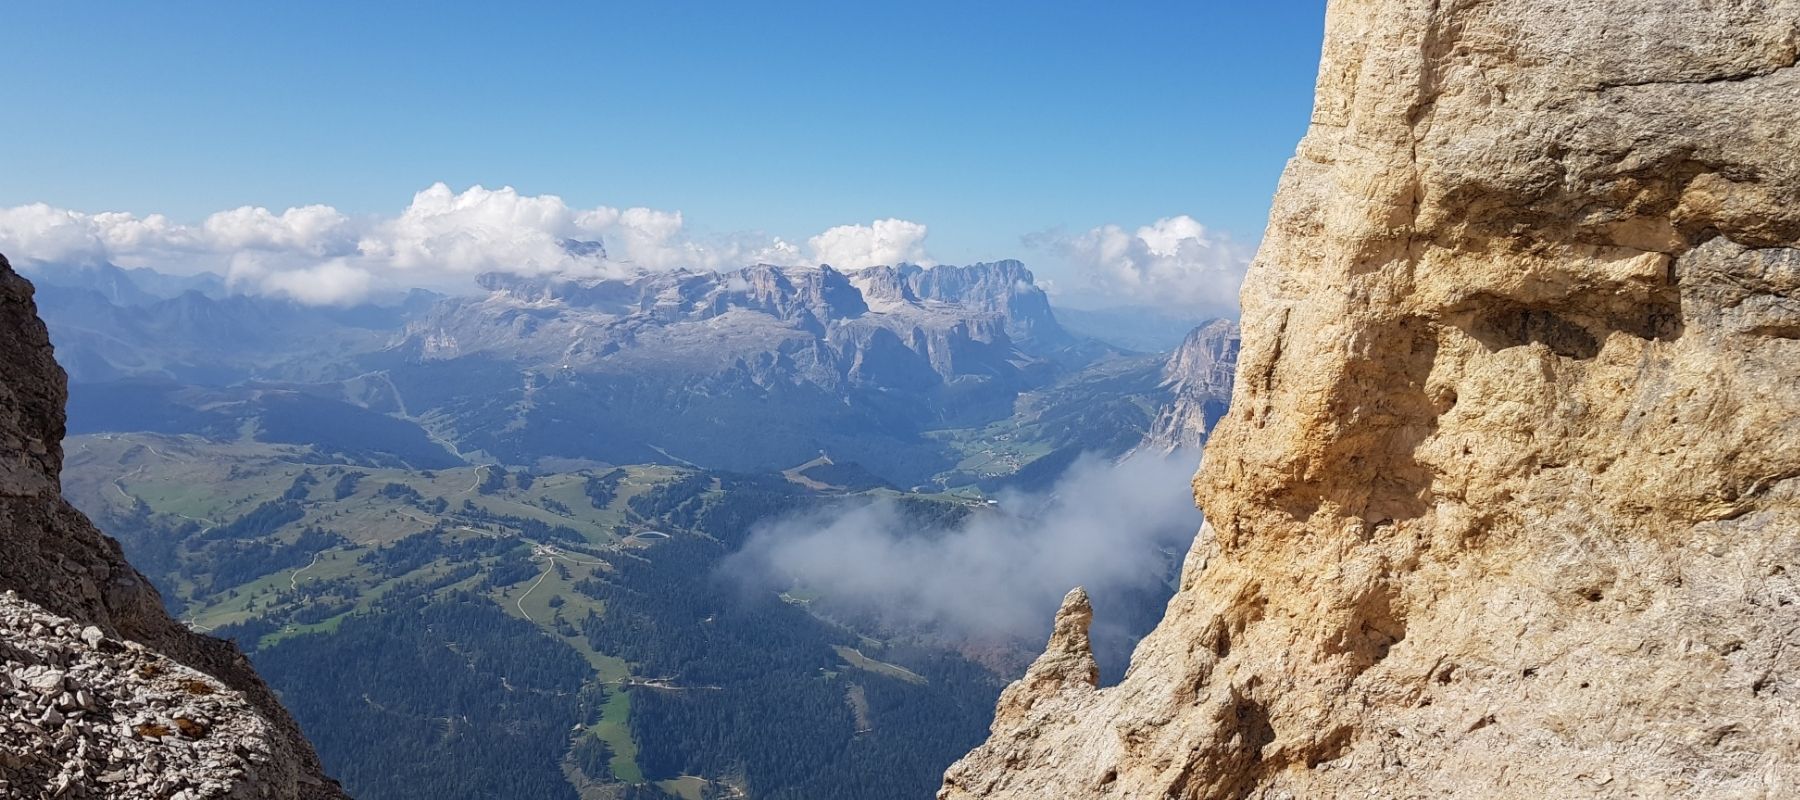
(1174, 262)
(318, 254)
(1114, 528)
(331, 283)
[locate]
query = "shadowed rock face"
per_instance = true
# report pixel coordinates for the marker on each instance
(1507, 503)
(55, 559)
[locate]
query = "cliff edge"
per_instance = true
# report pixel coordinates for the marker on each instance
(1507, 501)
(102, 694)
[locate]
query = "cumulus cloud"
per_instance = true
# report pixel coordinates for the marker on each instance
(330, 283)
(42, 233)
(475, 230)
(1113, 528)
(317, 231)
(318, 254)
(1173, 262)
(885, 241)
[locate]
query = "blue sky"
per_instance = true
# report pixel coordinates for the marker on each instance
(986, 122)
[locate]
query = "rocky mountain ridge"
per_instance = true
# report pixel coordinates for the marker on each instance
(893, 327)
(1507, 503)
(1006, 288)
(1198, 375)
(783, 362)
(63, 575)
(759, 368)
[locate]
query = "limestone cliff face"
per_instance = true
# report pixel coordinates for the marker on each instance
(1005, 287)
(59, 564)
(1199, 375)
(1507, 503)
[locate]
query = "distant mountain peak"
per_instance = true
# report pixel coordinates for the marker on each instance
(1199, 375)
(584, 248)
(1004, 287)
(846, 328)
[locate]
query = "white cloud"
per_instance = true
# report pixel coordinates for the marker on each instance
(318, 254)
(482, 229)
(1001, 571)
(475, 231)
(330, 283)
(319, 231)
(42, 233)
(1174, 261)
(886, 241)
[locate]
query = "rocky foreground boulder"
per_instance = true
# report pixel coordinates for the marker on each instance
(91, 716)
(111, 724)
(1507, 503)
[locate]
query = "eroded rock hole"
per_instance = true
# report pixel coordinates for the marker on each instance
(1516, 327)
(1254, 728)
(1507, 325)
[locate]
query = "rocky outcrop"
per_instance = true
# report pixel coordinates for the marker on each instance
(1507, 503)
(1198, 375)
(1006, 288)
(59, 564)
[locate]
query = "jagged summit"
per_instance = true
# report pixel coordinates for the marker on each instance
(882, 326)
(1006, 288)
(584, 248)
(796, 359)
(786, 293)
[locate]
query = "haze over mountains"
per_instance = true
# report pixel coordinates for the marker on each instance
(659, 502)
(758, 368)
(1506, 503)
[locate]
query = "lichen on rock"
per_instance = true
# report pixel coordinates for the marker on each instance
(1507, 502)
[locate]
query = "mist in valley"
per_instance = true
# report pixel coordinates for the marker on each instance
(1117, 528)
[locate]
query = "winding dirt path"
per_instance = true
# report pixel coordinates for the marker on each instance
(534, 584)
(476, 482)
(294, 579)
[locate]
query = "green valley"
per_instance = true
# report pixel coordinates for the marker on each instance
(416, 593)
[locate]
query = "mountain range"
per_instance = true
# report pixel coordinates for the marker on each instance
(760, 368)
(533, 497)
